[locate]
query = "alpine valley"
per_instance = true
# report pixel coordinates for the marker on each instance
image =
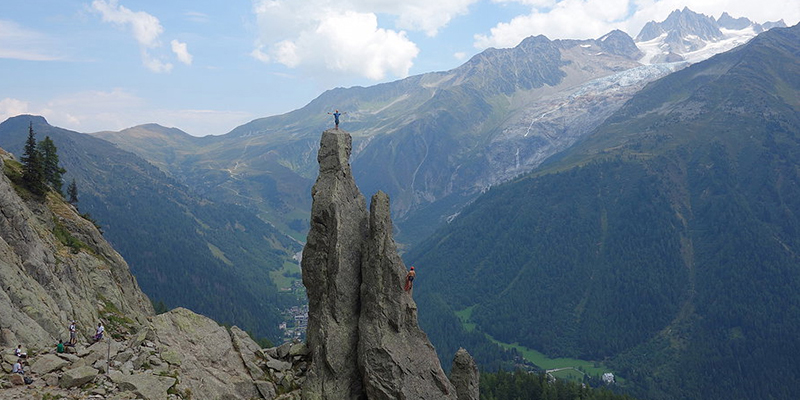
(630, 202)
(664, 244)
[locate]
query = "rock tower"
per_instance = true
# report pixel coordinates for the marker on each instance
(362, 330)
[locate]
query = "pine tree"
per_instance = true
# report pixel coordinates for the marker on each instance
(52, 171)
(32, 165)
(72, 192)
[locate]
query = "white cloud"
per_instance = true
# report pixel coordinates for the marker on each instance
(155, 64)
(12, 107)
(419, 15)
(345, 37)
(117, 109)
(17, 42)
(146, 29)
(322, 37)
(181, 51)
(573, 19)
(196, 16)
(585, 19)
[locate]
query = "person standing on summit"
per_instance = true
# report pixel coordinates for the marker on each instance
(336, 114)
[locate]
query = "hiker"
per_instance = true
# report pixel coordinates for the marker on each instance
(410, 279)
(18, 352)
(60, 347)
(17, 368)
(73, 334)
(336, 115)
(99, 332)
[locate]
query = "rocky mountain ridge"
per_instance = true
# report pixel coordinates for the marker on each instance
(689, 36)
(435, 141)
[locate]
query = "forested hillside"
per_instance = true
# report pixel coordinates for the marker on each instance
(665, 244)
(214, 258)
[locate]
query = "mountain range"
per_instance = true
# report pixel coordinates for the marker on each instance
(437, 140)
(664, 243)
(200, 218)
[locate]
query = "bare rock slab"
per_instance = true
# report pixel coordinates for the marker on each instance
(48, 363)
(148, 387)
(77, 377)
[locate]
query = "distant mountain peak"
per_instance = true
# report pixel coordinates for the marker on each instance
(727, 21)
(684, 23)
(689, 36)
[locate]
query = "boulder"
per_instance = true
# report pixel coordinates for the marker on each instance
(171, 357)
(298, 349)
(10, 358)
(282, 351)
(267, 389)
(204, 354)
(69, 357)
(48, 363)
(16, 379)
(148, 387)
(249, 350)
(279, 365)
(465, 376)
(77, 377)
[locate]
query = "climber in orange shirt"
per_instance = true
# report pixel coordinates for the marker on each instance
(410, 279)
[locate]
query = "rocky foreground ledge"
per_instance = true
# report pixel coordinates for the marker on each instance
(363, 334)
(180, 355)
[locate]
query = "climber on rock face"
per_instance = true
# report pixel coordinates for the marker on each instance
(410, 279)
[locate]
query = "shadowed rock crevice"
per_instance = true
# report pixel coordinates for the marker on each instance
(362, 331)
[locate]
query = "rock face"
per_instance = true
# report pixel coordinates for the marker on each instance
(208, 365)
(362, 332)
(55, 266)
(332, 273)
(395, 357)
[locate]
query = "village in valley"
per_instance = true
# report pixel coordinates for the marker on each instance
(295, 319)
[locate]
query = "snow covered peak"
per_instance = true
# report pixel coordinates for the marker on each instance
(692, 37)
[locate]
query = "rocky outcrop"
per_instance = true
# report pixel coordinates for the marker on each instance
(363, 334)
(178, 355)
(205, 363)
(332, 273)
(395, 357)
(56, 267)
(465, 376)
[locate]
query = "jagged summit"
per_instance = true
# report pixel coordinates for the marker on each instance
(362, 330)
(689, 36)
(681, 23)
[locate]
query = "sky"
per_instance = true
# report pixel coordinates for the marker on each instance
(206, 66)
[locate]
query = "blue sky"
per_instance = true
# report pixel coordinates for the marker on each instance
(208, 66)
